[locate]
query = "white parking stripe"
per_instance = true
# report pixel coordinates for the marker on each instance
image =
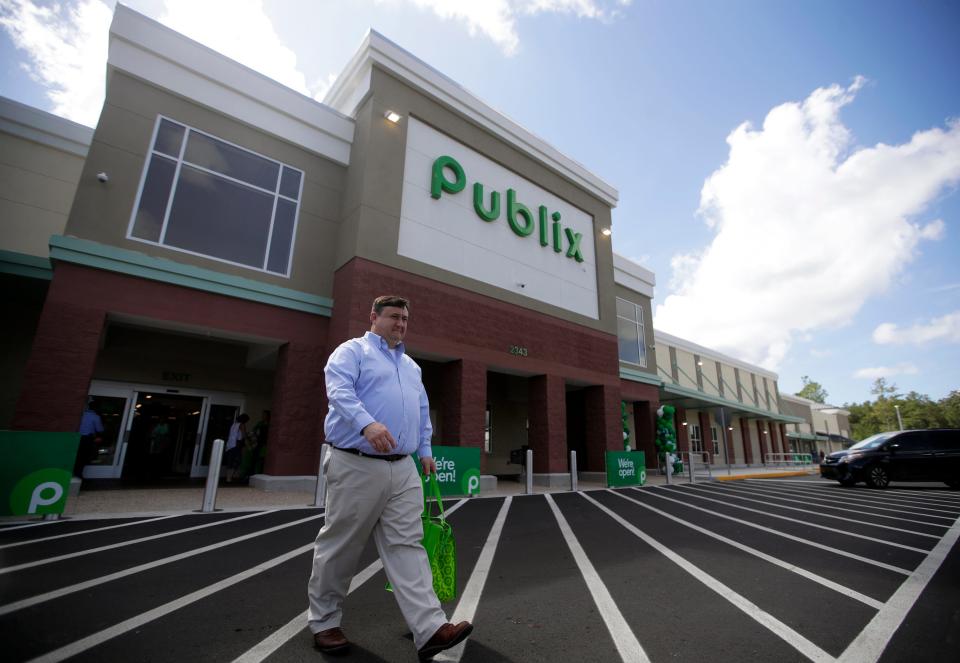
(626, 642)
(90, 551)
(764, 618)
(470, 598)
(137, 621)
(770, 530)
(93, 530)
(868, 646)
(892, 498)
(806, 495)
(281, 636)
(829, 584)
(800, 522)
(278, 638)
(80, 586)
(731, 492)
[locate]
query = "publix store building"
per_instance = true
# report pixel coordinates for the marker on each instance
(206, 246)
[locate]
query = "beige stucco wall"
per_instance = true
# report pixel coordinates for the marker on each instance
(374, 185)
(120, 145)
(37, 184)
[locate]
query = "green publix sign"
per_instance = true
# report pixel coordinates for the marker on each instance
(519, 217)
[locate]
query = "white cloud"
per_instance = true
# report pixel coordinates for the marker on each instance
(946, 328)
(497, 19)
(242, 31)
(807, 228)
(903, 368)
(67, 45)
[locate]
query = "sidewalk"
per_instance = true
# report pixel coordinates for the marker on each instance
(126, 502)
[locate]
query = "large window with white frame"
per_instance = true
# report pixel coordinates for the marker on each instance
(696, 439)
(630, 333)
(202, 195)
(715, 432)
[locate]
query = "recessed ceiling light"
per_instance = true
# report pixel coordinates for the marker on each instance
(393, 116)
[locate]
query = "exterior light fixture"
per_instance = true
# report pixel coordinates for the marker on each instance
(730, 428)
(684, 423)
(699, 363)
(392, 116)
(606, 232)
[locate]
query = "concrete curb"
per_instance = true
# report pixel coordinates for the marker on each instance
(765, 475)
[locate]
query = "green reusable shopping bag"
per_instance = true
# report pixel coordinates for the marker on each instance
(440, 546)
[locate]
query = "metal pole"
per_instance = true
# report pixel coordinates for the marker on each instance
(320, 497)
(529, 471)
(668, 466)
(690, 469)
(899, 420)
(573, 470)
(213, 477)
(723, 425)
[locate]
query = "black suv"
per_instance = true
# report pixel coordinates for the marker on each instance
(912, 455)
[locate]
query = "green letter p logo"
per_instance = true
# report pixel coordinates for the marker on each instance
(439, 183)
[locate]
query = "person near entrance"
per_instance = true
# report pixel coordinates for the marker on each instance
(91, 430)
(235, 443)
(378, 416)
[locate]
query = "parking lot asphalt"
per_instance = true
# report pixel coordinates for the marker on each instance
(786, 569)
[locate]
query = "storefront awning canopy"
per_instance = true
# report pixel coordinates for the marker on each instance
(695, 400)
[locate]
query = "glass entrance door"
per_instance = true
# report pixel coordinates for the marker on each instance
(113, 406)
(221, 412)
(163, 433)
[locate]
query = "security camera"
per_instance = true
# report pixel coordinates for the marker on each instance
(103, 177)
(522, 285)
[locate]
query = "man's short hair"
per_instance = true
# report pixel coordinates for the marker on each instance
(384, 301)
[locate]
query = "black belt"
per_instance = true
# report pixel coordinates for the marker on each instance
(390, 457)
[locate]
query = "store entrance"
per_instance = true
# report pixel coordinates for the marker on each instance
(163, 435)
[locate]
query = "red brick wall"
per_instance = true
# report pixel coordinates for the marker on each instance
(547, 412)
(683, 435)
(61, 363)
(604, 429)
(464, 405)
(451, 322)
(745, 434)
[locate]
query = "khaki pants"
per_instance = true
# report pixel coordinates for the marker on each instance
(364, 496)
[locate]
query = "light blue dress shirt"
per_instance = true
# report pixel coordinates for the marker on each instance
(368, 382)
(90, 423)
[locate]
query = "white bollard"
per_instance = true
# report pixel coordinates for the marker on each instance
(668, 461)
(213, 477)
(573, 471)
(690, 468)
(320, 498)
(529, 471)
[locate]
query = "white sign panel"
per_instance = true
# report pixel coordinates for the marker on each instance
(535, 244)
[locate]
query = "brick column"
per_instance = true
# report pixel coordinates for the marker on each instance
(603, 427)
(644, 430)
(728, 439)
(547, 412)
(683, 435)
(300, 405)
(774, 438)
(764, 446)
(783, 437)
(57, 376)
(745, 436)
(707, 433)
(465, 405)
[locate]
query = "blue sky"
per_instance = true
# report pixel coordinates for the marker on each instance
(788, 170)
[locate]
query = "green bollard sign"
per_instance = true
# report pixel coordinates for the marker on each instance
(626, 468)
(35, 472)
(458, 470)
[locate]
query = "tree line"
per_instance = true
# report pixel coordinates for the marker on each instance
(870, 417)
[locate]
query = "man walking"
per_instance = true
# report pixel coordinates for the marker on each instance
(378, 416)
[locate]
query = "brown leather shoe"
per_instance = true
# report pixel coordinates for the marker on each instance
(331, 641)
(447, 636)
